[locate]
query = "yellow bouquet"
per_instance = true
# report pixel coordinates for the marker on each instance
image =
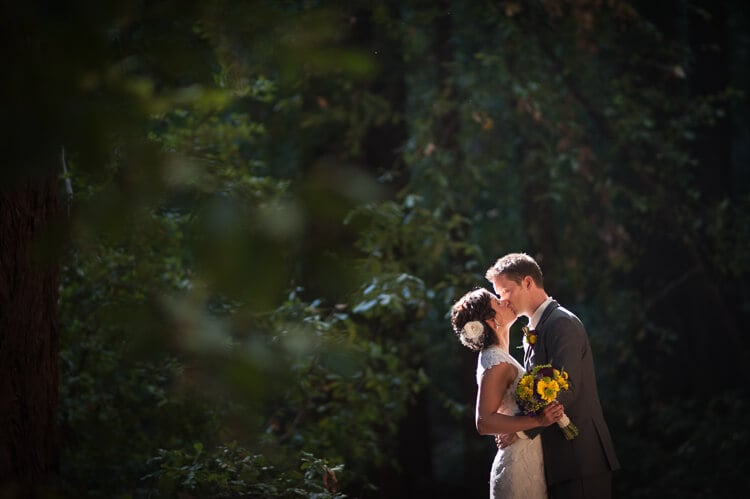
(538, 388)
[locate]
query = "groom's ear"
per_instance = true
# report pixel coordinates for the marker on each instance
(527, 282)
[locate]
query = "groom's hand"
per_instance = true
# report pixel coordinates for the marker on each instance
(505, 439)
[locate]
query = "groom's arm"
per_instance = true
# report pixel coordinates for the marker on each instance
(566, 346)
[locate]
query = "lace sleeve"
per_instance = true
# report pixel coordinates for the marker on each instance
(487, 358)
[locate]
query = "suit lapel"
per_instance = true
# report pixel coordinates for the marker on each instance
(528, 355)
(553, 305)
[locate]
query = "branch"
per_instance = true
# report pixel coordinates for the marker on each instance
(66, 178)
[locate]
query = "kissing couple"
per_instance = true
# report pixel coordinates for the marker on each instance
(535, 459)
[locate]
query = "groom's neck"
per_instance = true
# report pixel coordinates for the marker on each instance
(537, 299)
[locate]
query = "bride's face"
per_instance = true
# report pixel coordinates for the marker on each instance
(503, 312)
(510, 292)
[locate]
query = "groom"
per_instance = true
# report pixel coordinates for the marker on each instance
(582, 467)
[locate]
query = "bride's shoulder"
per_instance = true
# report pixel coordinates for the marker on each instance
(491, 356)
(496, 367)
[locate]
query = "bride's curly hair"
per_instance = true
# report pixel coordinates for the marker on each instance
(476, 305)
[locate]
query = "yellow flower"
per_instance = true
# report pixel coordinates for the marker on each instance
(528, 335)
(526, 393)
(547, 389)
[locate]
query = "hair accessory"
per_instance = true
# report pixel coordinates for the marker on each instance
(473, 330)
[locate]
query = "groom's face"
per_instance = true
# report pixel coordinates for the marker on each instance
(510, 291)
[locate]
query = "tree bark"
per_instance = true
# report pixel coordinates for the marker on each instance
(29, 342)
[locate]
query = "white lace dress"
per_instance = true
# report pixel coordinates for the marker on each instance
(518, 470)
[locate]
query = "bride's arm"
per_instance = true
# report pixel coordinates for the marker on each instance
(495, 381)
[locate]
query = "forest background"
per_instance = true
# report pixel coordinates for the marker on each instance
(231, 233)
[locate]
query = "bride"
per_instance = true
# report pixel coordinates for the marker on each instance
(482, 322)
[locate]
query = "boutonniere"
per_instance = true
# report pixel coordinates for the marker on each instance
(529, 336)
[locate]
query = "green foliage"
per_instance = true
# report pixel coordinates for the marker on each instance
(176, 262)
(119, 387)
(245, 270)
(349, 369)
(577, 144)
(232, 471)
(673, 439)
(389, 296)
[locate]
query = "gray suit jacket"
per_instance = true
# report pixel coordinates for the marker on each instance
(562, 342)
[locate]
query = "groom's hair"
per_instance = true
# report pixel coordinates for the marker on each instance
(516, 266)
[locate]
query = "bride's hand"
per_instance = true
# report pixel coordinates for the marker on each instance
(550, 414)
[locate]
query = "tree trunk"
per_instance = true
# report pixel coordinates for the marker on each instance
(29, 342)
